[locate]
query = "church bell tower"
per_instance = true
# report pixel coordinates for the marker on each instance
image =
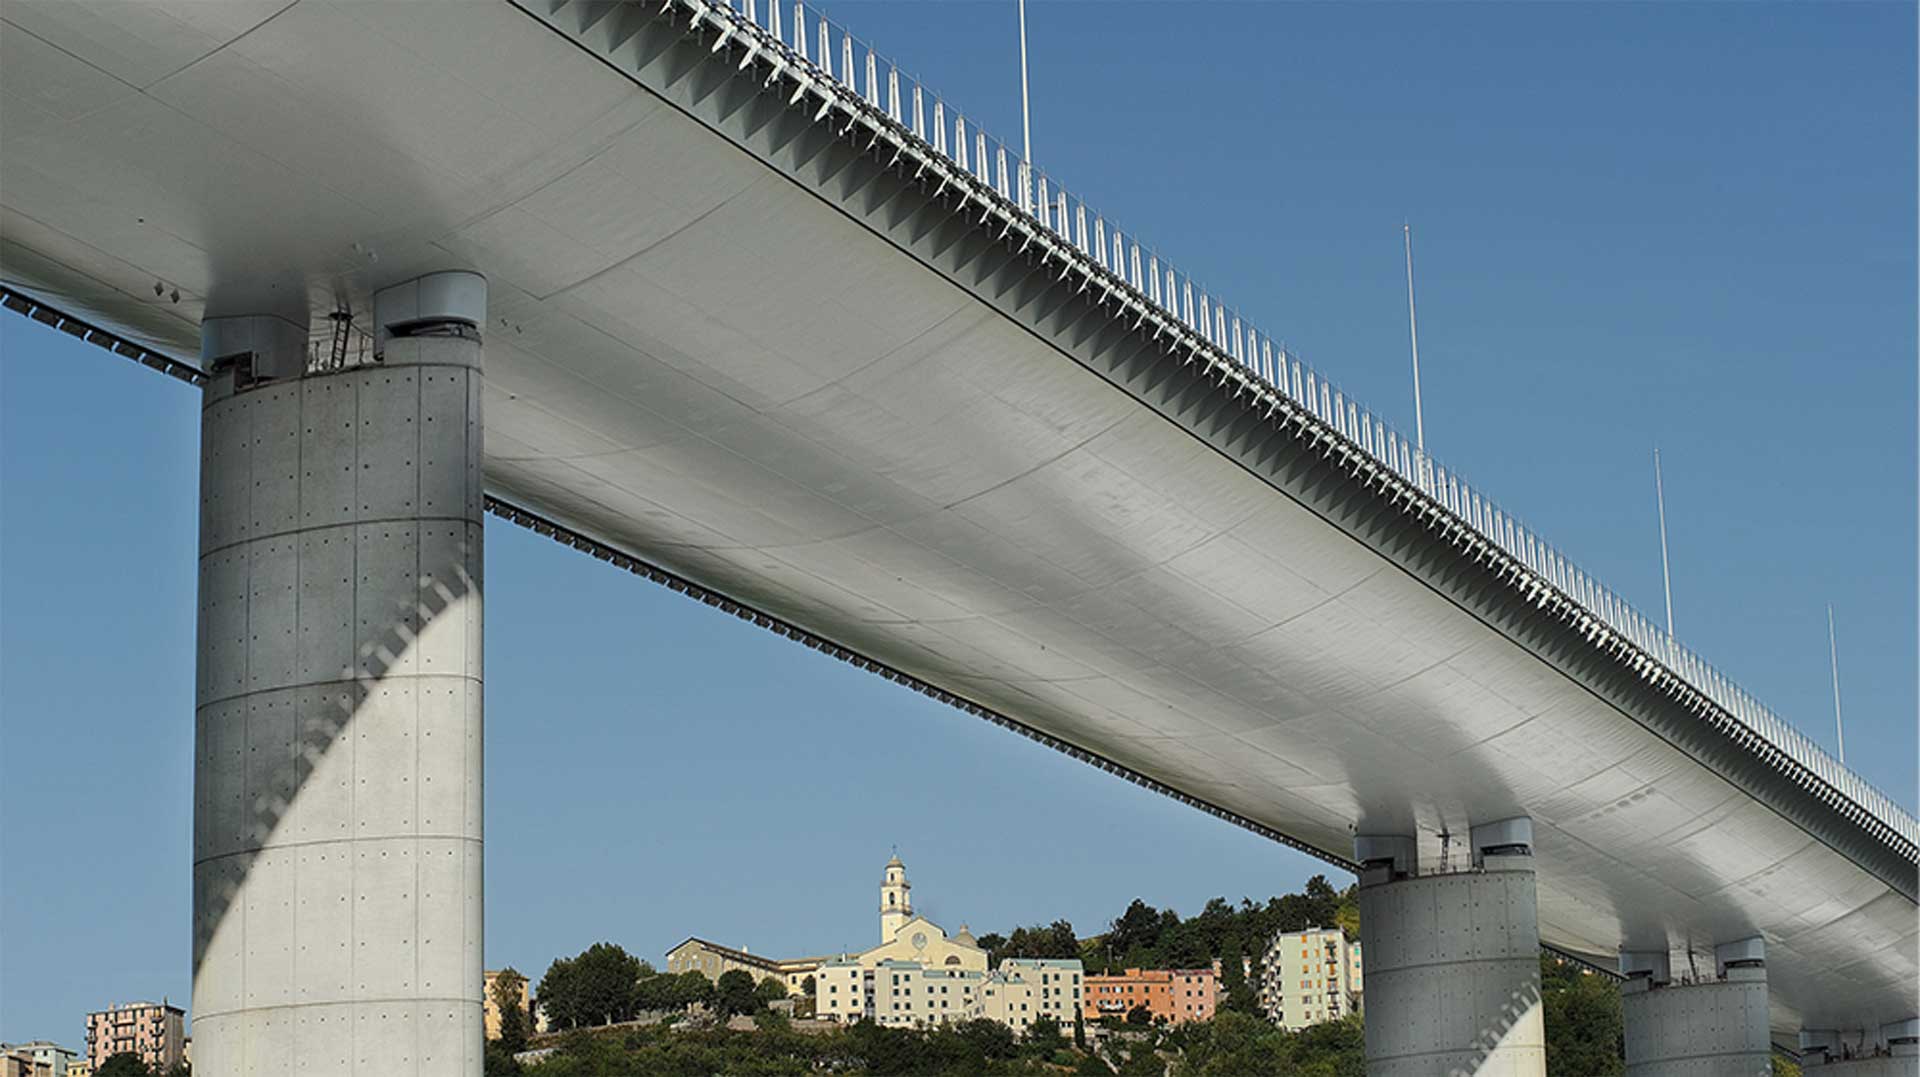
(896, 900)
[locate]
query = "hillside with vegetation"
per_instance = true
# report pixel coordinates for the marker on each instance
(621, 1018)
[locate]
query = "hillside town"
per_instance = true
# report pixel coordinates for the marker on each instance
(1268, 987)
(918, 976)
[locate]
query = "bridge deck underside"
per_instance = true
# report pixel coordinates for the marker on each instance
(697, 358)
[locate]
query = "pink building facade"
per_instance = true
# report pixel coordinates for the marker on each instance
(155, 1031)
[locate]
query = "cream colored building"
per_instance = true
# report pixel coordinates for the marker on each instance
(1310, 976)
(711, 960)
(907, 993)
(904, 937)
(1023, 990)
(38, 1058)
(917, 977)
(492, 1003)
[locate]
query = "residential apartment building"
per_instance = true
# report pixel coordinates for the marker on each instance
(38, 1058)
(1310, 976)
(1171, 996)
(155, 1031)
(908, 993)
(1024, 989)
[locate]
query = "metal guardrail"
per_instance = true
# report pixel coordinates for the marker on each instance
(848, 74)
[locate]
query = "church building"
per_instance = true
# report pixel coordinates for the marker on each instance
(905, 936)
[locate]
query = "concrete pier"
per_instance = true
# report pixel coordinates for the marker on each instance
(1453, 960)
(1893, 1050)
(1716, 1028)
(337, 775)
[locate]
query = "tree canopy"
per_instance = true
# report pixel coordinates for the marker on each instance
(1055, 940)
(596, 987)
(124, 1064)
(1143, 937)
(508, 985)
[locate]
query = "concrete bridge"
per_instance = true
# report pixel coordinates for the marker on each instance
(716, 294)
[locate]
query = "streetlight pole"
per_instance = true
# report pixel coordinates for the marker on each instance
(1413, 333)
(1833, 655)
(1026, 125)
(1666, 575)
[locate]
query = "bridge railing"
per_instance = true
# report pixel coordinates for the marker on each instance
(800, 35)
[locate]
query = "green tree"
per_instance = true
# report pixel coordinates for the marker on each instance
(690, 989)
(1092, 1065)
(772, 1021)
(810, 987)
(508, 988)
(1138, 927)
(1240, 995)
(1044, 1038)
(655, 993)
(769, 991)
(1143, 1060)
(497, 1061)
(990, 1039)
(1140, 1015)
(1052, 940)
(124, 1064)
(596, 987)
(734, 993)
(1583, 1024)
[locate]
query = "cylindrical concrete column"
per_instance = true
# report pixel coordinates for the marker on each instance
(1893, 1052)
(1711, 1029)
(337, 773)
(1453, 960)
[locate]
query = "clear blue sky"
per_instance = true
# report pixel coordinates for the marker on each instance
(1690, 226)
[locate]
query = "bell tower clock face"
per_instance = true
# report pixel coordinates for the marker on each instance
(919, 940)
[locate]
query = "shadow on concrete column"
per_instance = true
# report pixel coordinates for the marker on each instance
(337, 800)
(1453, 960)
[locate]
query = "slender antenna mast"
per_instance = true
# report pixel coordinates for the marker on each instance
(1413, 332)
(1666, 573)
(1026, 125)
(1833, 654)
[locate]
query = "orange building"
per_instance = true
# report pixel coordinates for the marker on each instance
(1171, 996)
